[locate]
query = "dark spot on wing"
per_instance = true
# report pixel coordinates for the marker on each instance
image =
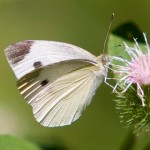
(18, 51)
(37, 64)
(44, 82)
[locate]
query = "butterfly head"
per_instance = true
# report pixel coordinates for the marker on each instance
(105, 59)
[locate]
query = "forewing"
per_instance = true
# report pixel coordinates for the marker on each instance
(26, 56)
(60, 101)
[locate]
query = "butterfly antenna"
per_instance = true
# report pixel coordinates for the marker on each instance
(106, 38)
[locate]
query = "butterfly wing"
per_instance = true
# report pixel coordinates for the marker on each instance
(57, 79)
(60, 100)
(26, 56)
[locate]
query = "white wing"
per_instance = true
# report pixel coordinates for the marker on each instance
(59, 100)
(26, 56)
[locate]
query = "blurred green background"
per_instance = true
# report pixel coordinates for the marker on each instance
(80, 22)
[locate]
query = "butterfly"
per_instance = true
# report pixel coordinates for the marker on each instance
(57, 79)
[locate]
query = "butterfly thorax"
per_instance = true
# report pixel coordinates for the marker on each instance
(103, 62)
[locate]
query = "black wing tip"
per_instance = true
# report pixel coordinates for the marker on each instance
(17, 51)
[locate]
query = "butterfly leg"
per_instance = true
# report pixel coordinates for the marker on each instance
(105, 81)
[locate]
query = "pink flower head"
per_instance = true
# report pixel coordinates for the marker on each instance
(136, 71)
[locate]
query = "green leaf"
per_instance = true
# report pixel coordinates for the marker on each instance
(8, 142)
(124, 33)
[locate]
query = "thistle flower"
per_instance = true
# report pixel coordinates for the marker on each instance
(136, 71)
(133, 101)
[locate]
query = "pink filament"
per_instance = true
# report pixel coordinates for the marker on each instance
(139, 70)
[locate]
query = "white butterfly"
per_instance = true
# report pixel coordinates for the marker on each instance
(57, 79)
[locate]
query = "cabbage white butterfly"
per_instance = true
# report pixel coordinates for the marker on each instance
(57, 79)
